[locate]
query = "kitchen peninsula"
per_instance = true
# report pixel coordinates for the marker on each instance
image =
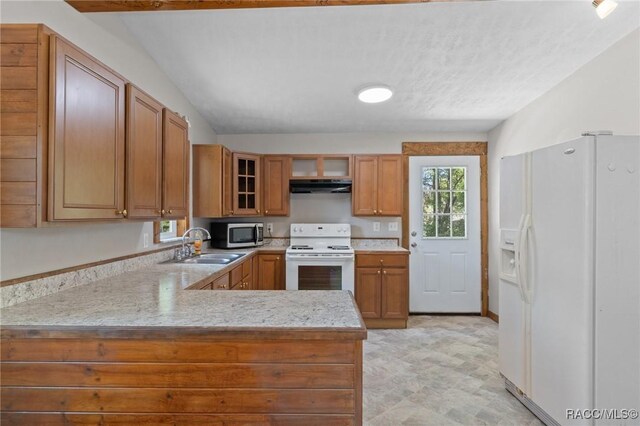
(140, 348)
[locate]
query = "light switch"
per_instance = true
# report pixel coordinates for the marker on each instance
(376, 226)
(393, 226)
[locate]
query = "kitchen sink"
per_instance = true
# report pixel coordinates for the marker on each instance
(211, 259)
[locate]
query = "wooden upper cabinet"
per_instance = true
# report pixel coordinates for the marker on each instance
(212, 181)
(277, 170)
(365, 185)
(377, 185)
(247, 185)
(227, 182)
(87, 148)
(175, 181)
(144, 154)
(390, 185)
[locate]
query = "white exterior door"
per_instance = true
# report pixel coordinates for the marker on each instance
(444, 227)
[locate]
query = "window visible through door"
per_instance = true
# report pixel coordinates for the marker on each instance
(444, 202)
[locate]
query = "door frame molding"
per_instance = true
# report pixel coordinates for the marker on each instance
(415, 149)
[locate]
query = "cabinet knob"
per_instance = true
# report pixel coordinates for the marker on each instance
(161, 212)
(375, 211)
(381, 260)
(258, 210)
(379, 211)
(278, 258)
(265, 212)
(378, 272)
(170, 211)
(122, 212)
(384, 272)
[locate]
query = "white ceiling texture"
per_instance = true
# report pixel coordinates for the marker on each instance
(462, 66)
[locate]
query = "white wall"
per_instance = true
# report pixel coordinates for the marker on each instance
(29, 251)
(335, 207)
(602, 95)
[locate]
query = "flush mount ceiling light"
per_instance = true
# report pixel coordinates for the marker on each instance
(604, 7)
(375, 94)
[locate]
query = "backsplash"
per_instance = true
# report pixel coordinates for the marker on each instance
(322, 208)
(28, 290)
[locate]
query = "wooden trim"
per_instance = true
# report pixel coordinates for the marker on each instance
(182, 333)
(410, 149)
(493, 316)
(41, 275)
(385, 323)
(444, 148)
(142, 6)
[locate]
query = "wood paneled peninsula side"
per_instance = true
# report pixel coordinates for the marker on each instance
(140, 348)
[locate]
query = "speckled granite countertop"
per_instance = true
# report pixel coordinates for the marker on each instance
(154, 300)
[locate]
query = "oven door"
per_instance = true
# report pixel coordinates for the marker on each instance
(317, 273)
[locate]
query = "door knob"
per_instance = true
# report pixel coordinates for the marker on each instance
(414, 244)
(414, 233)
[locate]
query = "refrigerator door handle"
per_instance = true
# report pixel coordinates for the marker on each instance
(518, 251)
(523, 260)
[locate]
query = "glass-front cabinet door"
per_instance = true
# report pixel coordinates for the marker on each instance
(247, 184)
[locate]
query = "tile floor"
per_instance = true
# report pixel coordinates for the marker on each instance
(441, 370)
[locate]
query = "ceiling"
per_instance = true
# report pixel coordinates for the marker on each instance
(453, 66)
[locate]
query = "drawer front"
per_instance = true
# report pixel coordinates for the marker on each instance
(221, 283)
(379, 260)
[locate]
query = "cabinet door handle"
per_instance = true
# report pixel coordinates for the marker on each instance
(122, 212)
(161, 212)
(170, 211)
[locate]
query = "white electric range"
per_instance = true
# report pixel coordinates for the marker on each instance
(320, 257)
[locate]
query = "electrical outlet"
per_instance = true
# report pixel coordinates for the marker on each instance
(376, 226)
(145, 240)
(269, 228)
(393, 226)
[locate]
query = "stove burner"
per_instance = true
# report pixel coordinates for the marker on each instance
(338, 247)
(301, 247)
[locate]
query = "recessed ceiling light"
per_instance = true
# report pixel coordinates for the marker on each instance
(604, 7)
(375, 94)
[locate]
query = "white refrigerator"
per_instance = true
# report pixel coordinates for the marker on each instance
(569, 297)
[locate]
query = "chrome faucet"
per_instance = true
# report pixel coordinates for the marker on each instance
(185, 250)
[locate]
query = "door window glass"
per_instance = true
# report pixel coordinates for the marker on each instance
(444, 202)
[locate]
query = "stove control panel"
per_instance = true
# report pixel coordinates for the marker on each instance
(320, 230)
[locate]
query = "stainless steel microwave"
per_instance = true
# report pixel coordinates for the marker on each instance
(236, 235)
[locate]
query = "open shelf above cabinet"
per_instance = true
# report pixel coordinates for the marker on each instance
(321, 166)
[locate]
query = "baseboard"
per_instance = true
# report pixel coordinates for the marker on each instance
(374, 323)
(493, 316)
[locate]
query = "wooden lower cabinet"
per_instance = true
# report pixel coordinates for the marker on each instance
(223, 377)
(369, 292)
(382, 289)
(271, 272)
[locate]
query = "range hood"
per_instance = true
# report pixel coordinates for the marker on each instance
(310, 186)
